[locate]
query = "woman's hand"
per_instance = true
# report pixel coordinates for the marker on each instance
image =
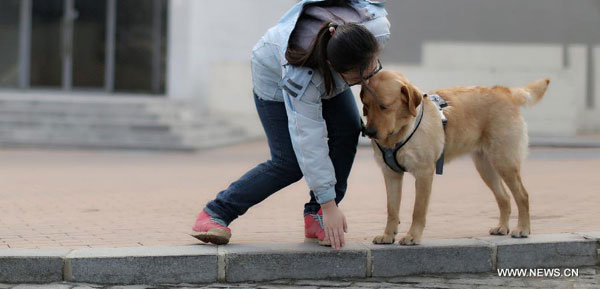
(335, 224)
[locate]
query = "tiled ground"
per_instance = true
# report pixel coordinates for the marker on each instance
(73, 199)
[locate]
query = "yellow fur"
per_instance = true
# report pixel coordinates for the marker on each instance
(484, 122)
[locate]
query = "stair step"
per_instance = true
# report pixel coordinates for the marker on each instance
(112, 125)
(99, 133)
(93, 144)
(106, 118)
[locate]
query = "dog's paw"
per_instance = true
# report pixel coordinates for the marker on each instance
(519, 233)
(409, 240)
(384, 239)
(500, 230)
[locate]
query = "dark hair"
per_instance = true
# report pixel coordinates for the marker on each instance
(351, 46)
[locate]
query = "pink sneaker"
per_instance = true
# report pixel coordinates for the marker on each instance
(314, 229)
(208, 231)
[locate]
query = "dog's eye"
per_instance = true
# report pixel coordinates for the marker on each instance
(383, 107)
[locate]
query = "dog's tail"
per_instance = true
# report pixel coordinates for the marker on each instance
(531, 93)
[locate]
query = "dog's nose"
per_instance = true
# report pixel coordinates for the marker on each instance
(371, 132)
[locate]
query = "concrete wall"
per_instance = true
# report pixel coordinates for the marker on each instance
(436, 43)
(209, 52)
(452, 64)
(203, 34)
(590, 118)
(415, 22)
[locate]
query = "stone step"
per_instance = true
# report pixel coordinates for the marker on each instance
(77, 131)
(140, 117)
(93, 144)
(68, 106)
(147, 122)
(216, 142)
(62, 141)
(99, 112)
(115, 138)
(112, 123)
(24, 135)
(11, 116)
(99, 109)
(136, 144)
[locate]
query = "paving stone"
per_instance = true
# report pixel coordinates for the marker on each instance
(95, 220)
(84, 285)
(445, 286)
(223, 285)
(44, 286)
(416, 279)
(130, 287)
(348, 287)
(440, 281)
(143, 265)
(514, 282)
(366, 284)
(544, 251)
(321, 283)
(591, 235)
(258, 262)
(585, 286)
(282, 281)
(275, 286)
(549, 283)
(587, 271)
(432, 256)
(31, 265)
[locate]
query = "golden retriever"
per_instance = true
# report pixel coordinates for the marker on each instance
(484, 122)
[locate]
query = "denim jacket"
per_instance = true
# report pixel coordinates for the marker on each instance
(302, 89)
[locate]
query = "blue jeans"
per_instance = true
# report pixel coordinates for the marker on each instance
(343, 129)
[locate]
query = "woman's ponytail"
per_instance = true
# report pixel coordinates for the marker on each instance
(342, 47)
(325, 34)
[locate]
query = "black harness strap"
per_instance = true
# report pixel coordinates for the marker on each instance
(389, 155)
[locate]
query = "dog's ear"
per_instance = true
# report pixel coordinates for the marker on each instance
(412, 97)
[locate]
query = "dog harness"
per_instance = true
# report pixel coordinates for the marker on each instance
(389, 155)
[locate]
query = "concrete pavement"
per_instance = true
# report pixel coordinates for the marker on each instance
(83, 199)
(62, 211)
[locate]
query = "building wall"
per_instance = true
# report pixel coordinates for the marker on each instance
(512, 65)
(436, 43)
(415, 22)
(209, 53)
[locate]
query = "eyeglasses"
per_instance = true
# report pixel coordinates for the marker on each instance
(379, 68)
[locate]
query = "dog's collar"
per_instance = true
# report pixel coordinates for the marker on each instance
(400, 144)
(389, 154)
